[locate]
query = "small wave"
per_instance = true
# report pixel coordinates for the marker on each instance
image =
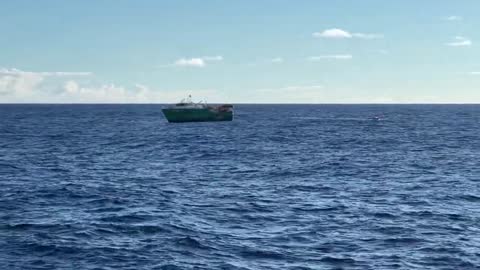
(104, 201)
(229, 266)
(309, 188)
(150, 229)
(453, 261)
(470, 198)
(403, 241)
(262, 254)
(191, 242)
(394, 230)
(52, 249)
(309, 118)
(107, 209)
(128, 229)
(243, 171)
(168, 267)
(10, 166)
(326, 208)
(447, 250)
(422, 214)
(338, 260)
(128, 218)
(35, 226)
(384, 215)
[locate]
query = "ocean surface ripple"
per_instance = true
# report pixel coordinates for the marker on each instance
(281, 187)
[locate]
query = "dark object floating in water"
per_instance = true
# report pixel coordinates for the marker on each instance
(188, 111)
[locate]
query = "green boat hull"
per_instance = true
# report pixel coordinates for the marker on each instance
(196, 115)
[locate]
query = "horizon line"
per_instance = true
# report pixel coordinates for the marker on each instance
(243, 103)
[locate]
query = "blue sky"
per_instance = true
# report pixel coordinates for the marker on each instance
(271, 51)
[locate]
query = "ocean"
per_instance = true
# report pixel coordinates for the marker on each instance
(281, 187)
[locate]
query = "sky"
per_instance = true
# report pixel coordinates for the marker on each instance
(240, 51)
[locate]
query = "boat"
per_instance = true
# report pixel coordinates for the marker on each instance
(188, 111)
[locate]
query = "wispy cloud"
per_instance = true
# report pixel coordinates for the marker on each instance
(17, 83)
(367, 35)
(139, 93)
(460, 41)
(474, 72)
(196, 61)
(277, 60)
(454, 18)
(56, 87)
(17, 72)
(23, 83)
(104, 93)
(192, 62)
(336, 33)
(19, 86)
(330, 57)
(212, 58)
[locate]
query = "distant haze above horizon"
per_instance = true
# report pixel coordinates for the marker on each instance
(271, 51)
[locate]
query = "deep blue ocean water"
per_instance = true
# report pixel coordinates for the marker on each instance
(280, 187)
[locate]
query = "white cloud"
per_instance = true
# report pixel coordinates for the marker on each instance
(71, 87)
(277, 60)
(367, 36)
(196, 61)
(17, 72)
(474, 72)
(460, 41)
(212, 58)
(22, 84)
(330, 57)
(193, 62)
(333, 33)
(74, 92)
(454, 18)
(18, 86)
(66, 74)
(336, 33)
